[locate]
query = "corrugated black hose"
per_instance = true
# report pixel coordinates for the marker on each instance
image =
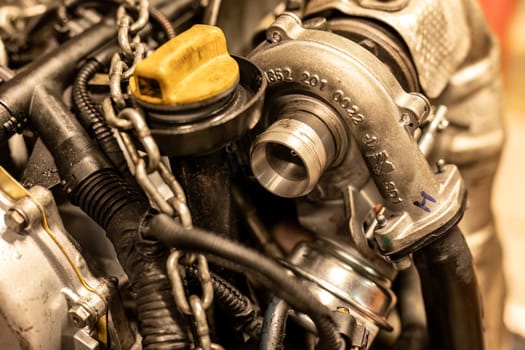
(244, 259)
(119, 209)
(91, 117)
(244, 316)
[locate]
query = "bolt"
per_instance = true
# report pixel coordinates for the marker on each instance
(16, 220)
(440, 164)
(381, 220)
(443, 124)
(79, 315)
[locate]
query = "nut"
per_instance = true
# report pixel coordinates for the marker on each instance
(15, 220)
(79, 315)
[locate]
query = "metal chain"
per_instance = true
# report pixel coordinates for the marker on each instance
(128, 119)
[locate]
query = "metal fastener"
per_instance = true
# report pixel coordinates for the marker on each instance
(381, 220)
(16, 220)
(79, 315)
(440, 164)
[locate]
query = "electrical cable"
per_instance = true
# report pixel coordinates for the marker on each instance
(268, 272)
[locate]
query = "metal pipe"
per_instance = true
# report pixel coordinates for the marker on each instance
(450, 292)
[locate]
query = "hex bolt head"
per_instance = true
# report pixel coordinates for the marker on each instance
(381, 220)
(15, 220)
(79, 315)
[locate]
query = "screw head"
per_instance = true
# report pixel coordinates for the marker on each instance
(79, 315)
(15, 220)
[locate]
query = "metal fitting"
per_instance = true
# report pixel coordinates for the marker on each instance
(16, 220)
(369, 105)
(291, 155)
(80, 316)
(347, 283)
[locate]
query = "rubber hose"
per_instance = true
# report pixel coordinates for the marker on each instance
(268, 272)
(450, 292)
(119, 209)
(244, 315)
(163, 21)
(93, 120)
(274, 329)
(411, 311)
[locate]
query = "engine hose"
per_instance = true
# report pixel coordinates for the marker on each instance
(274, 329)
(268, 272)
(119, 209)
(450, 292)
(93, 120)
(163, 21)
(244, 315)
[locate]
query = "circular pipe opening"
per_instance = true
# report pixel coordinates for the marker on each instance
(286, 162)
(290, 156)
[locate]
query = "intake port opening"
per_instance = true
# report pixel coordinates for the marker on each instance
(285, 162)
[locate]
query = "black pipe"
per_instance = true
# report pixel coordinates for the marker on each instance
(274, 328)
(411, 311)
(55, 69)
(450, 292)
(206, 180)
(119, 209)
(267, 271)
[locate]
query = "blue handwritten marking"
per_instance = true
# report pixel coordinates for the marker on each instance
(423, 203)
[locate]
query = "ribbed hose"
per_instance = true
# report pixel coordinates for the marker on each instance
(119, 209)
(244, 315)
(163, 21)
(93, 120)
(267, 271)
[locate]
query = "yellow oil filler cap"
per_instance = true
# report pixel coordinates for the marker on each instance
(192, 67)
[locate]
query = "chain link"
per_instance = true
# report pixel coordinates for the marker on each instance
(131, 51)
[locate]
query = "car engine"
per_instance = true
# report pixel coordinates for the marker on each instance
(206, 174)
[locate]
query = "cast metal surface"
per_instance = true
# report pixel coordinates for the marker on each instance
(375, 112)
(341, 278)
(437, 33)
(42, 298)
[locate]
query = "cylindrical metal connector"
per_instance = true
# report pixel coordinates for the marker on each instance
(291, 155)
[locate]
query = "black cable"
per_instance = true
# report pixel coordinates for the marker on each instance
(163, 22)
(93, 120)
(268, 272)
(244, 316)
(274, 328)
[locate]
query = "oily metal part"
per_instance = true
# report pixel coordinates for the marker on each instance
(342, 278)
(436, 33)
(380, 117)
(53, 288)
